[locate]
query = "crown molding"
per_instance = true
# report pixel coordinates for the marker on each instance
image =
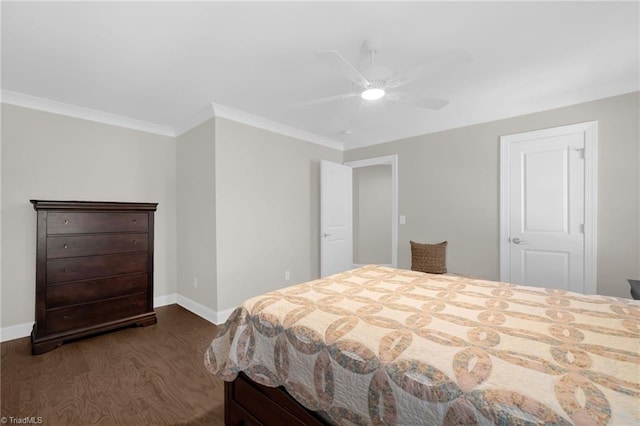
(200, 117)
(210, 111)
(41, 104)
(233, 114)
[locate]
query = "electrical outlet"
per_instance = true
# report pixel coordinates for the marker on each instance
(195, 282)
(287, 275)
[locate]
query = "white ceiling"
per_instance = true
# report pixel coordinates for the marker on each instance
(162, 62)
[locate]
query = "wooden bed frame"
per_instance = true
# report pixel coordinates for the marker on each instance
(249, 403)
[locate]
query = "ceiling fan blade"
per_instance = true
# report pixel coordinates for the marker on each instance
(347, 129)
(419, 101)
(442, 64)
(337, 61)
(327, 99)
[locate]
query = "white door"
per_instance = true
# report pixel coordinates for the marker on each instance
(545, 223)
(336, 217)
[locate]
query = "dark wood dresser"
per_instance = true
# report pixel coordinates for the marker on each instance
(94, 269)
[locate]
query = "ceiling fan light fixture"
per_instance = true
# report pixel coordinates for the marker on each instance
(372, 94)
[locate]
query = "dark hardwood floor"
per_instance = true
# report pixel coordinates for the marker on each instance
(140, 376)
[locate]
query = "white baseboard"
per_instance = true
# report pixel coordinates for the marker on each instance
(15, 331)
(168, 299)
(197, 308)
(209, 314)
(23, 330)
(222, 316)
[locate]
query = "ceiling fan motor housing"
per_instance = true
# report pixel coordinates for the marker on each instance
(377, 76)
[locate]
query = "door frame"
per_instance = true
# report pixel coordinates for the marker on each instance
(590, 131)
(391, 160)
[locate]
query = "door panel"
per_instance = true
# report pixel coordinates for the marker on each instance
(546, 194)
(545, 191)
(545, 268)
(336, 218)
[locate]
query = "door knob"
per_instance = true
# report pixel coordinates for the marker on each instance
(517, 240)
(324, 234)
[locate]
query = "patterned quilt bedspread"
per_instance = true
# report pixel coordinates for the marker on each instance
(379, 345)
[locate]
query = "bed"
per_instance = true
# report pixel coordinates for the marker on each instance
(378, 345)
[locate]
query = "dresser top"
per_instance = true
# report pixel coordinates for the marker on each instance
(92, 205)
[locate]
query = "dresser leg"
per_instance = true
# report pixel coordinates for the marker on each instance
(42, 347)
(147, 321)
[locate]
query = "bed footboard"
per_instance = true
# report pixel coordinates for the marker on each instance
(248, 403)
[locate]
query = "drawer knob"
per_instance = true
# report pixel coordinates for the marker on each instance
(65, 221)
(66, 246)
(134, 241)
(135, 220)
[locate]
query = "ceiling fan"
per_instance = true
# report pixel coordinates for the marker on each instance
(374, 82)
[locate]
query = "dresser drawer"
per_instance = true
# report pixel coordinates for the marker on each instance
(84, 268)
(88, 245)
(95, 313)
(89, 291)
(87, 223)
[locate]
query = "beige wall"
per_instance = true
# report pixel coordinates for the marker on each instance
(196, 214)
(267, 210)
(245, 201)
(50, 156)
(449, 188)
(372, 214)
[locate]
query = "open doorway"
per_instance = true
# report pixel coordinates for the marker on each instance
(372, 215)
(375, 211)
